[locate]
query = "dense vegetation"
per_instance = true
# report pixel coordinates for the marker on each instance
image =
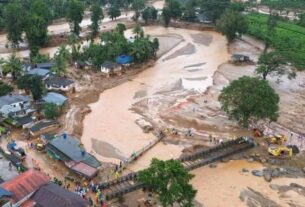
(288, 38)
(5, 89)
(114, 43)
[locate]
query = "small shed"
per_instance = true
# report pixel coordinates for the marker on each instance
(43, 127)
(239, 58)
(111, 67)
(125, 60)
(55, 98)
(43, 73)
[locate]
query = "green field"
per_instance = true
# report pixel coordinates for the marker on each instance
(289, 38)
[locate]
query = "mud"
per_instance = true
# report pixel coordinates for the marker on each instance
(186, 50)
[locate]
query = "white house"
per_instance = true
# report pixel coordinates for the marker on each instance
(14, 105)
(111, 67)
(59, 84)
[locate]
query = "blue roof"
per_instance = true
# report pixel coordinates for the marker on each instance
(55, 98)
(39, 72)
(124, 59)
(4, 193)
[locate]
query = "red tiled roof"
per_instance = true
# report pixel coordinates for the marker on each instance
(25, 184)
(28, 203)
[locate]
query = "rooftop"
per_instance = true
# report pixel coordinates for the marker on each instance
(58, 81)
(55, 98)
(10, 99)
(39, 72)
(51, 195)
(48, 65)
(25, 184)
(70, 147)
(43, 124)
(110, 65)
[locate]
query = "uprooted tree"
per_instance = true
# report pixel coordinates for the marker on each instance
(248, 99)
(169, 180)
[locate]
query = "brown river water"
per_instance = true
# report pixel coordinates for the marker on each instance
(112, 123)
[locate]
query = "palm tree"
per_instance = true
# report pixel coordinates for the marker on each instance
(13, 65)
(138, 31)
(61, 59)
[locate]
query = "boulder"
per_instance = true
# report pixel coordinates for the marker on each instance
(257, 173)
(275, 173)
(251, 160)
(267, 176)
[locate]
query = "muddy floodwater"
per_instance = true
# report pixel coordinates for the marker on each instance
(186, 56)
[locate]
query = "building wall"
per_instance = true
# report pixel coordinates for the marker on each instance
(62, 88)
(14, 108)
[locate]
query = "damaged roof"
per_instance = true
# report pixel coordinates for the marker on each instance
(25, 184)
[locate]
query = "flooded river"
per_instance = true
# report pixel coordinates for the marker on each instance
(111, 121)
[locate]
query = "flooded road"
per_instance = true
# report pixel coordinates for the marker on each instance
(111, 120)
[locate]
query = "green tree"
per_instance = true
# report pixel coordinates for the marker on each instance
(114, 11)
(215, 8)
(302, 20)
(75, 14)
(32, 83)
(143, 49)
(13, 65)
(138, 31)
(36, 33)
(271, 30)
(166, 16)
(5, 89)
(14, 18)
(175, 8)
(269, 63)
(249, 99)
(231, 24)
(74, 42)
(96, 18)
(51, 110)
(41, 9)
(169, 180)
(138, 6)
(149, 13)
(120, 28)
(61, 59)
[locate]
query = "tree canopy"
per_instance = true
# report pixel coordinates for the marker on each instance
(249, 99)
(5, 89)
(32, 83)
(75, 12)
(269, 63)
(231, 24)
(96, 17)
(50, 110)
(13, 65)
(170, 181)
(114, 11)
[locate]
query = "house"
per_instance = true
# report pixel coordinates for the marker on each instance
(59, 84)
(43, 73)
(52, 195)
(43, 127)
(25, 121)
(14, 105)
(124, 60)
(46, 66)
(111, 67)
(55, 98)
(24, 186)
(67, 149)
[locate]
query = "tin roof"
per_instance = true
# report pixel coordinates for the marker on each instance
(39, 72)
(10, 99)
(25, 184)
(55, 98)
(58, 81)
(51, 195)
